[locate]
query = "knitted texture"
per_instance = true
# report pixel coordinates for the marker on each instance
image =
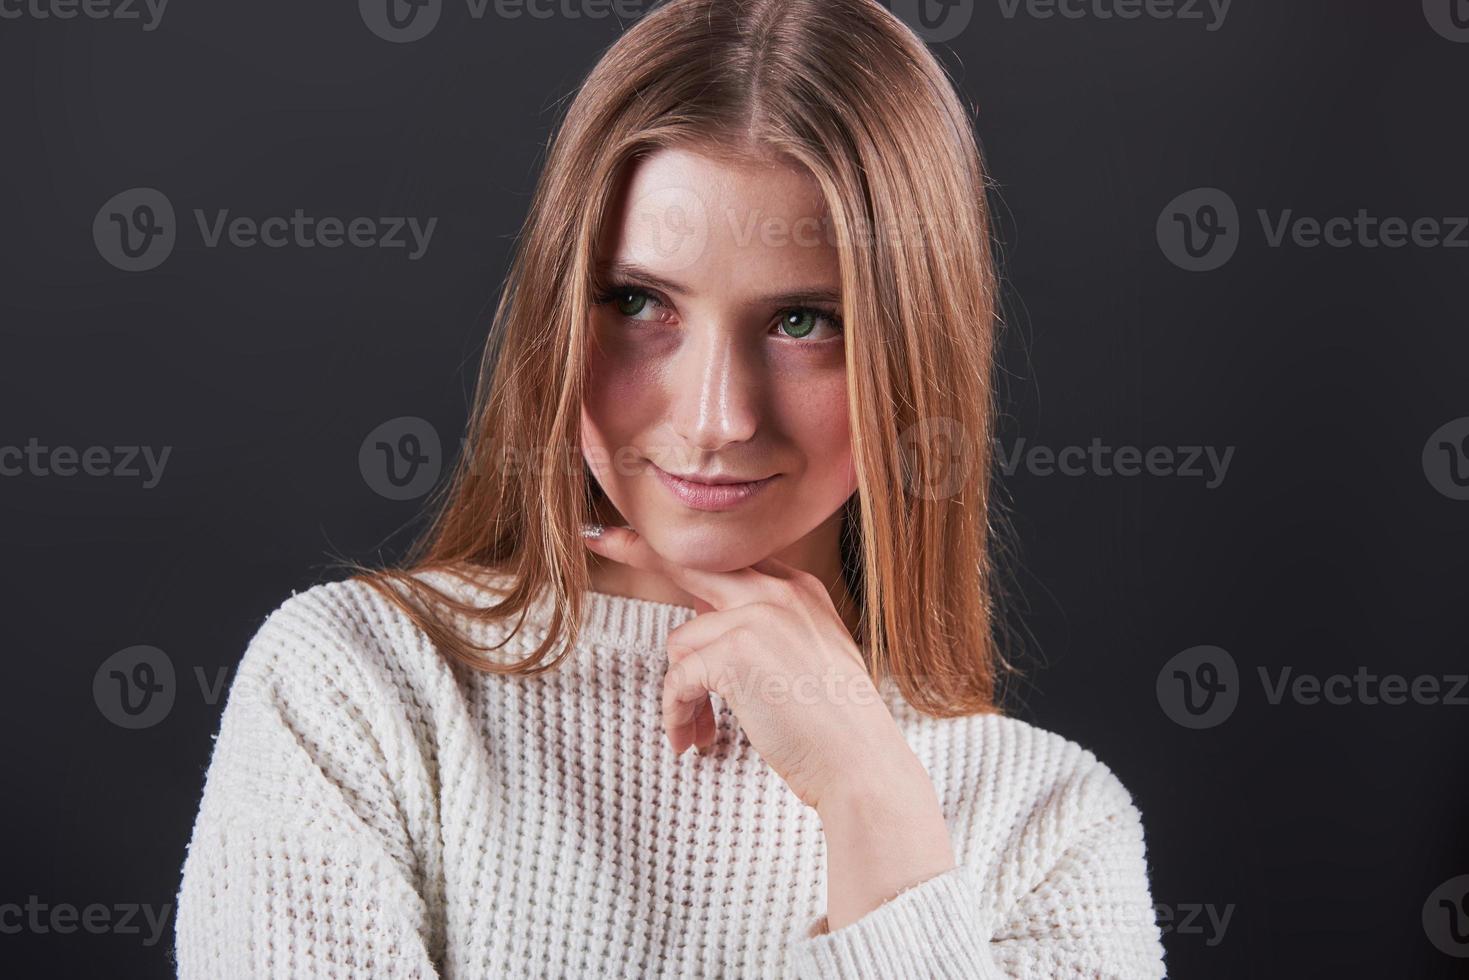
(371, 810)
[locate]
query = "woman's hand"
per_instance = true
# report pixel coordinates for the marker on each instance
(769, 641)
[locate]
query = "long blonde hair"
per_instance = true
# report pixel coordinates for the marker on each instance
(845, 90)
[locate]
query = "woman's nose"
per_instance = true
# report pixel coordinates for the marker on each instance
(716, 392)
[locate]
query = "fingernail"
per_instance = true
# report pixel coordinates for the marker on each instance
(592, 530)
(703, 750)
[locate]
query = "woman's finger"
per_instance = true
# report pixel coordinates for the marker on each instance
(704, 724)
(701, 729)
(707, 627)
(721, 590)
(686, 688)
(697, 633)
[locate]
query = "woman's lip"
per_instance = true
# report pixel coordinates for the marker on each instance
(711, 496)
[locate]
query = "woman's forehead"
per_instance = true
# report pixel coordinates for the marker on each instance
(685, 215)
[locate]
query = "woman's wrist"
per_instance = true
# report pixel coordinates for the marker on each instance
(885, 832)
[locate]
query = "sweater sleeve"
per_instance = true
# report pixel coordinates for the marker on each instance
(1089, 916)
(301, 863)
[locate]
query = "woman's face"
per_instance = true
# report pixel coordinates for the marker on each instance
(717, 353)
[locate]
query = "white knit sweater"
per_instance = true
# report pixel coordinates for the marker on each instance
(370, 811)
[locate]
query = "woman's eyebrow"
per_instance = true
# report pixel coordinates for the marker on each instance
(832, 296)
(631, 270)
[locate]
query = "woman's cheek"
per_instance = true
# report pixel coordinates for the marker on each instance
(631, 369)
(814, 415)
(624, 403)
(813, 405)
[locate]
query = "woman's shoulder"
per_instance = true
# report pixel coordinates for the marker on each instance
(1046, 755)
(351, 623)
(342, 626)
(1002, 766)
(340, 615)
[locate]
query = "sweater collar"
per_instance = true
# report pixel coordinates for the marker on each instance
(631, 628)
(628, 623)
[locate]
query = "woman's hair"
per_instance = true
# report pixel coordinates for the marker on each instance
(846, 91)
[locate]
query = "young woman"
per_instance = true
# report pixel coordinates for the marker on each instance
(726, 488)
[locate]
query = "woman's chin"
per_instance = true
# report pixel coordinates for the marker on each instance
(719, 550)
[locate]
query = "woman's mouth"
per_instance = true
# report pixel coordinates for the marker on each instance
(711, 496)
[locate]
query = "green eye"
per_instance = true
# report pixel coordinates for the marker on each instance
(631, 303)
(799, 323)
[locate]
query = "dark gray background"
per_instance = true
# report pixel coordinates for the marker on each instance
(1322, 829)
